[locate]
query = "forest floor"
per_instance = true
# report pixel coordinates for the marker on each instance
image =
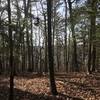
(71, 86)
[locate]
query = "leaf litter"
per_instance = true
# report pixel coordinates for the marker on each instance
(71, 87)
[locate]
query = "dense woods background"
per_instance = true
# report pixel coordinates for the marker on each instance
(47, 37)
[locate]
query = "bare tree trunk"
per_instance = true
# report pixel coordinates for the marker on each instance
(11, 92)
(50, 53)
(92, 37)
(93, 27)
(46, 42)
(83, 55)
(65, 47)
(74, 57)
(53, 29)
(69, 69)
(32, 56)
(0, 64)
(57, 53)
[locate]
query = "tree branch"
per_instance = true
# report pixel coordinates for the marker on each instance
(73, 1)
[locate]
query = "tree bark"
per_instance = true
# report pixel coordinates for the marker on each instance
(45, 35)
(92, 37)
(50, 53)
(65, 38)
(74, 55)
(11, 92)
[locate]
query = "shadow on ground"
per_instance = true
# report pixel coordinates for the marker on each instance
(23, 95)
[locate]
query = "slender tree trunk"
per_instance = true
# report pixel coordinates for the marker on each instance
(32, 56)
(53, 30)
(89, 54)
(26, 9)
(0, 65)
(46, 46)
(45, 35)
(23, 54)
(92, 37)
(3, 55)
(40, 69)
(74, 60)
(50, 53)
(65, 47)
(93, 24)
(58, 58)
(69, 53)
(83, 54)
(11, 92)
